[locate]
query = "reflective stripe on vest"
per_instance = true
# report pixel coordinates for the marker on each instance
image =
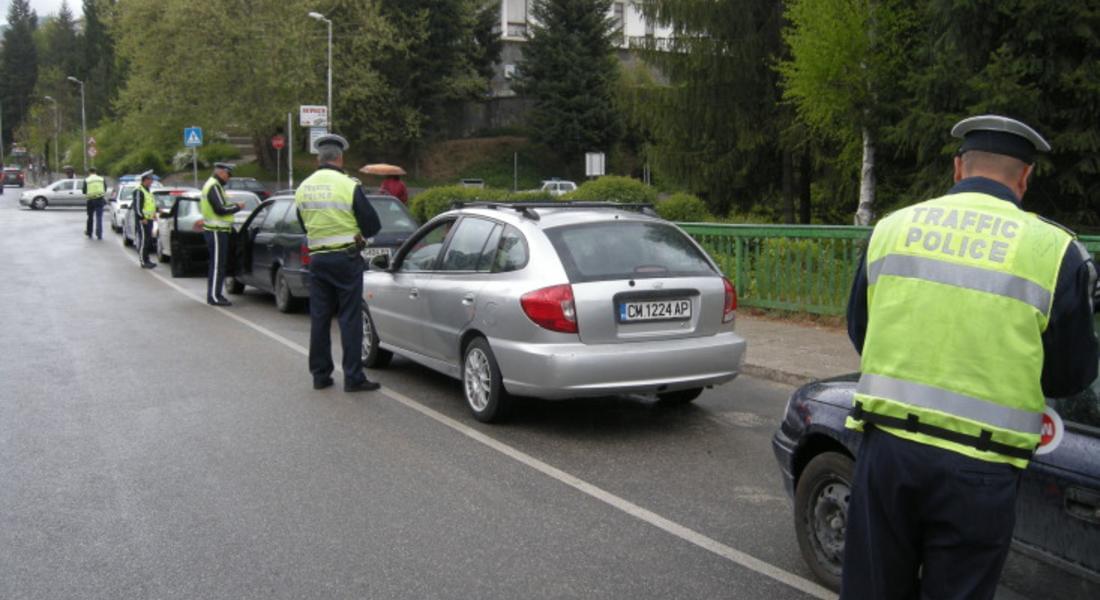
(324, 201)
(946, 401)
(96, 187)
(212, 221)
(965, 276)
(960, 290)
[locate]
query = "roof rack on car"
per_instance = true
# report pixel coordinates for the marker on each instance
(525, 207)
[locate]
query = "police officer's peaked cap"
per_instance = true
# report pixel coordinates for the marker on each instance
(332, 139)
(224, 165)
(148, 174)
(91, 169)
(1000, 135)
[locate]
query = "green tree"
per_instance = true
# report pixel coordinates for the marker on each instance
(61, 48)
(18, 66)
(98, 68)
(570, 71)
(716, 119)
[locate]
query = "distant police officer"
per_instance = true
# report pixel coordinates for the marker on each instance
(337, 218)
(217, 218)
(966, 311)
(94, 189)
(145, 212)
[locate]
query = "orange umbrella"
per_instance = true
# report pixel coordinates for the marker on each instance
(382, 169)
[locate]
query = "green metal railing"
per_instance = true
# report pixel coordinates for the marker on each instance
(802, 268)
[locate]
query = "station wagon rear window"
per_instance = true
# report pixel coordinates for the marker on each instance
(627, 250)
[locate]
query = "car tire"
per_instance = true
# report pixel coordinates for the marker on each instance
(482, 384)
(39, 203)
(179, 266)
(821, 512)
(679, 397)
(284, 300)
(234, 286)
(374, 357)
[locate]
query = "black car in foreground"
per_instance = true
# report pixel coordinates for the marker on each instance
(1056, 544)
(269, 250)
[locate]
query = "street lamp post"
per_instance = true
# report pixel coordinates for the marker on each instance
(83, 121)
(56, 129)
(320, 17)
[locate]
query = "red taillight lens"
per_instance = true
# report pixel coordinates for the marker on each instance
(305, 255)
(198, 225)
(731, 301)
(551, 308)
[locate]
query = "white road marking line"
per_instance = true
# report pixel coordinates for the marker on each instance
(684, 533)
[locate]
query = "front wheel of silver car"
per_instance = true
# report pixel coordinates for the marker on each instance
(374, 357)
(482, 383)
(821, 514)
(39, 203)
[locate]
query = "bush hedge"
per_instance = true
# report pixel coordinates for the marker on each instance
(217, 152)
(684, 208)
(139, 161)
(434, 201)
(612, 188)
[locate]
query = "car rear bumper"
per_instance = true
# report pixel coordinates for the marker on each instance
(571, 370)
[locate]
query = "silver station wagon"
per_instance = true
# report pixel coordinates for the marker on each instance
(554, 300)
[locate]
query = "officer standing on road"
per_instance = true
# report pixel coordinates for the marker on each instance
(94, 189)
(338, 219)
(145, 211)
(217, 219)
(966, 311)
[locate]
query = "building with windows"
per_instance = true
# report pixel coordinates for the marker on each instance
(516, 18)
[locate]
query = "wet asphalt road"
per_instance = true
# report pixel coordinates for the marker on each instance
(154, 447)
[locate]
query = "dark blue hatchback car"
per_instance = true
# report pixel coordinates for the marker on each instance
(1056, 544)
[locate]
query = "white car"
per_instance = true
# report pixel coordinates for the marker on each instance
(66, 192)
(558, 187)
(119, 202)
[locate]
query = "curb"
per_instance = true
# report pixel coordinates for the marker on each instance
(777, 375)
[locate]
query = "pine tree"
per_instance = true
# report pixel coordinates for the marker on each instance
(570, 71)
(97, 66)
(18, 66)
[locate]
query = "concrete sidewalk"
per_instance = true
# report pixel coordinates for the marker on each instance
(795, 353)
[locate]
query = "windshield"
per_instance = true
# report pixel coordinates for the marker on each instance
(627, 250)
(394, 216)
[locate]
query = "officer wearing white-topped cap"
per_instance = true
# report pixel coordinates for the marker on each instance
(217, 223)
(338, 218)
(144, 207)
(966, 311)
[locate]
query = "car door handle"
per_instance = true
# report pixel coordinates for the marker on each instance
(1083, 504)
(414, 293)
(468, 299)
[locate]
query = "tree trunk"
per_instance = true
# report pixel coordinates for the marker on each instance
(788, 188)
(805, 191)
(865, 213)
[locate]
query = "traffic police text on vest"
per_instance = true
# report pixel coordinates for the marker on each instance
(325, 202)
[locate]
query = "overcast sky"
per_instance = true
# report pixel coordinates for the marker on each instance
(44, 7)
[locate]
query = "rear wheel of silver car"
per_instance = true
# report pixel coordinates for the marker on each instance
(821, 514)
(374, 357)
(679, 396)
(39, 203)
(482, 383)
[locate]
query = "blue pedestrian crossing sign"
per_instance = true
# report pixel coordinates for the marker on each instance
(192, 137)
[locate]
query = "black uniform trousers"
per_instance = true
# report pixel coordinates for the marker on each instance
(144, 242)
(336, 289)
(95, 212)
(217, 244)
(926, 523)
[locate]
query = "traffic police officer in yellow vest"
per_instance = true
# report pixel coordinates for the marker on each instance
(94, 189)
(338, 219)
(144, 207)
(966, 311)
(217, 223)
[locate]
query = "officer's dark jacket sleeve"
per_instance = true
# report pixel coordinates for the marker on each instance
(1070, 351)
(857, 306)
(365, 215)
(217, 202)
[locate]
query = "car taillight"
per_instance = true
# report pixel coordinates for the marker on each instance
(731, 301)
(305, 255)
(198, 225)
(552, 308)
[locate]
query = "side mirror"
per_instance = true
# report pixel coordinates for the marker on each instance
(380, 262)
